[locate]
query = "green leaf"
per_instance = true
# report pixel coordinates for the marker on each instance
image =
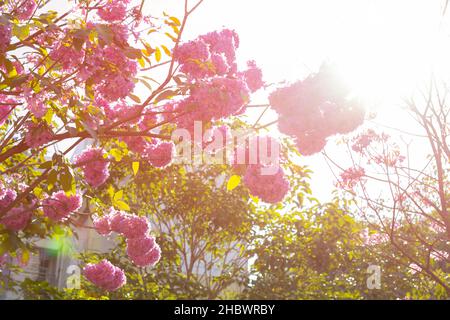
(135, 166)
(233, 182)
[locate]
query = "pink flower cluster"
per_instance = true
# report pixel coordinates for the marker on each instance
(351, 177)
(17, 218)
(217, 89)
(5, 35)
(59, 206)
(26, 9)
(212, 99)
(95, 166)
(160, 154)
(109, 71)
(35, 102)
(363, 140)
(253, 76)
(113, 10)
(38, 134)
(316, 108)
(141, 247)
(143, 251)
(269, 188)
(209, 55)
(67, 55)
(7, 196)
(105, 275)
(5, 109)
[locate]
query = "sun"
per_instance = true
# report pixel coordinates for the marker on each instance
(390, 50)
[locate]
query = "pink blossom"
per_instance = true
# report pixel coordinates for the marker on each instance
(129, 225)
(95, 166)
(5, 110)
(316, 108)
(7, 196)
(160, 155)
(37, 134)
(110, 72)
(5, 35)
(140, 246)
(16, 219)
(149, 259)
(60, 206)
(363, 140)
(114, 10)
(253, 76)
(102, 224)
(105, 275)
(26, 9)
(67, 55)
(269, 188)
(351, 177)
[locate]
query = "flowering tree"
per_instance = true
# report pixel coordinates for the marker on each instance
(412, 212)
(84, 76)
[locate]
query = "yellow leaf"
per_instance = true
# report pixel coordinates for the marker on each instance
(122, 205)
(157, 54)
(233, 182)
(25, 256)
(142, 61)
(111, 191)
(118, 195)
(175, 19)
(166, 50)
(116, 153)
(135, 166)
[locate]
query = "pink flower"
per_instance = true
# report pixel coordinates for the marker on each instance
(26, 9)
(269, 188)
(37, 134)
(316, 108)
(363, 140)
(35, 103)
(102, 225)
(140, 246)
(5, 35)
(67, 55)
(209, 55)
(5, 110)
(16, 219)
(129, 225)
(95, 166)
(160, 155)
(351, 177)
(253, 76)
(7, 196)
(105, 275)
(109, 71)
(149, 259)
(59, 206)
(113, 10)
